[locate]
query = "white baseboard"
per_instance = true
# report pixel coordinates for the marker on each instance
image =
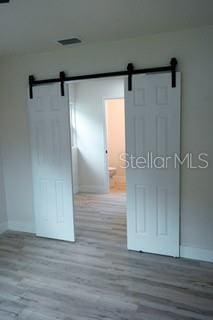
(3, 227)
(92, 189)
(196, 253)
(21, 226)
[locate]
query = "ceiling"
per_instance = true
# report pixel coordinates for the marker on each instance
(36, 25)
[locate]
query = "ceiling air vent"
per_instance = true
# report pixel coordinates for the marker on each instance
(67, 42)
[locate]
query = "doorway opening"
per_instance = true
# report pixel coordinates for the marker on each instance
(98, 139)
(115, 143)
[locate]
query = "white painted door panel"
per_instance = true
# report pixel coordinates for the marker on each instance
(153, 126)
(51, 163)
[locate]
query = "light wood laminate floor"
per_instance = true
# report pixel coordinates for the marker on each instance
(96, 277)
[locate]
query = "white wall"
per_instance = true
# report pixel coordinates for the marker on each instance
(90, 127)
(194, 50)
(3, 215)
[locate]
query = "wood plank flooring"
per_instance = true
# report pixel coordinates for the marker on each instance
(96, 277)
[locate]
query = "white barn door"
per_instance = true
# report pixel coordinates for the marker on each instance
(153, 127)
(51, 163)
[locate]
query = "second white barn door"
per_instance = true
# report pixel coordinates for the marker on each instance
(51, 163)
(153, 129)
